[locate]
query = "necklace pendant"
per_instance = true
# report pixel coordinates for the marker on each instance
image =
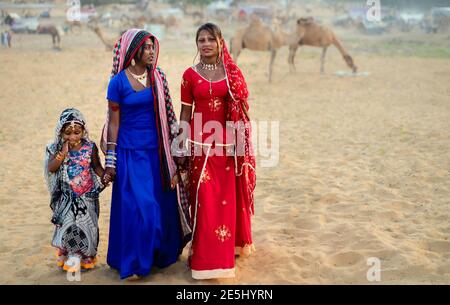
(143, 82)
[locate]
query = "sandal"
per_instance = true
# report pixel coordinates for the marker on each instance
(61, 257)
(72, 264)
(88, 262)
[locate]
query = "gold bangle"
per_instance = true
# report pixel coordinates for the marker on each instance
(59, 157)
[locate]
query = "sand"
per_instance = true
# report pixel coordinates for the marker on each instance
(363, 171)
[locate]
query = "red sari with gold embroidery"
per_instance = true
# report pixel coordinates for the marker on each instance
(217, 216)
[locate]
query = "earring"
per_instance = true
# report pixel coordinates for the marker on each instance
(133, 62)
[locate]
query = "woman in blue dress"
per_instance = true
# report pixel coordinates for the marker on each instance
(149, 210)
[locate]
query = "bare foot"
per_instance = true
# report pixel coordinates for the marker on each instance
(133, 278)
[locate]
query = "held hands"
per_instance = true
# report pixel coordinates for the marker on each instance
(180, 176)
(180, 161)
(182, 164)
(175, 180)
(110, 165)
(109, 175)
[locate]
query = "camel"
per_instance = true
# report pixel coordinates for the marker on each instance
(259, 37)
(53, 31)
(311, 34)
(168, 22)
(70, 25)
(142, 21)
(109, 43)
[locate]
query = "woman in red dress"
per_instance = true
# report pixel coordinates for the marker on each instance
(216, 129)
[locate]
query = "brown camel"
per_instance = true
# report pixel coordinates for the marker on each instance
(259, 37)
(142, 21)
(53, 31)
(109, 43)
(311, 34)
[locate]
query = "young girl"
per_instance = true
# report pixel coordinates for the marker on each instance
(72, 170)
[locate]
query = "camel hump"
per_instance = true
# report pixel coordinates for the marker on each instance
(258, 38)
(255, 20)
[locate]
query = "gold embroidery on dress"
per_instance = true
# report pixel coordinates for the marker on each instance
(205, 177)
(223, 233)
(214, 105)
(184, 82)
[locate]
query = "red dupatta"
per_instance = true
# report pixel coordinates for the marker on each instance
(238, 114)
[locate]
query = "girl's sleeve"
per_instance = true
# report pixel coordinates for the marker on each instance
(187, 97)
(113, 94)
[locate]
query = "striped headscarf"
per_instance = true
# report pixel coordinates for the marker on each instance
(127, 47)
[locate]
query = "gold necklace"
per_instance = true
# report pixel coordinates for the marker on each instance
(142, 79)
(210, 67)
(75, 144)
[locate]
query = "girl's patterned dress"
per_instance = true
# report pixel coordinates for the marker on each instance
(77, 233)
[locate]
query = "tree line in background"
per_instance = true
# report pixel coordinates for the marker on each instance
(401, 4)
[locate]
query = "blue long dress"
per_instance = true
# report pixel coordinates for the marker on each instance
(144, 223)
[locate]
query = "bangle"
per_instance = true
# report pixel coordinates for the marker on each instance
(110, 158)
(111, 143)
(60, 156)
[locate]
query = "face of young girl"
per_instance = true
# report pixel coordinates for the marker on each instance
(73, 134)
(207, 44)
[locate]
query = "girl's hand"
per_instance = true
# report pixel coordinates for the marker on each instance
(65, 148)
(106, 179)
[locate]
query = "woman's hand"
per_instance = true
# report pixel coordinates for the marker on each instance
(109, 175)
(180, 161)
(175, 180)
